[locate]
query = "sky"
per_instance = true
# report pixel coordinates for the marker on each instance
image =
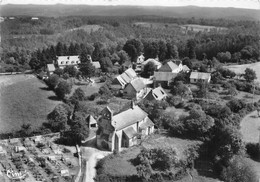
(248, 4)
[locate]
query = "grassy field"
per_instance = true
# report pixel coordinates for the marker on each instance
(249, 127)
(241, 68)
(24, 99)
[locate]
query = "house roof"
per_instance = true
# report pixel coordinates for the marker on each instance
(131, 73)
(130, 132)
(164, 76)
(91, 120)
(157, 94)
(147, 122)
(137, 84)
(128, 117)
(171, 65)
(68, 60)
(200, 75)
(50, 67)
(125, 77)
(185, 68)
(96, 64)
(156, 63)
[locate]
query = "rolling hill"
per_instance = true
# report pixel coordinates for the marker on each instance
(87, 10)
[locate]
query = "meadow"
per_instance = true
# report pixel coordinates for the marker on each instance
(24, 99)
(240, 69)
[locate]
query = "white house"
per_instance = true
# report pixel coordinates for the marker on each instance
(200, 76)
(64, 61)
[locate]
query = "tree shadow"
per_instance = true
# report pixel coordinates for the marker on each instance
(45, 88)
(54, 98)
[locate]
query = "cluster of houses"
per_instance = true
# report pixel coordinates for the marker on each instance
(117, 130)
(122, 129)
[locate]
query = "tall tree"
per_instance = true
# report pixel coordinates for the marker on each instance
(172, 51)
(162, 50)
(62, 89)
(151, 49)
(191, 46)
(133, 47)
(59, 49)
(250, 75)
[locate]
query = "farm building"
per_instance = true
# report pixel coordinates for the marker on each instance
(174, 66)
(120, 130)
(156, 94)
(136, 89)
(63, 61)
(200, 76)
(163, 78)
(125, 78)
(50, 69)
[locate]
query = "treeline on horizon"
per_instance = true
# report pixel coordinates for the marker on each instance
(40, 35)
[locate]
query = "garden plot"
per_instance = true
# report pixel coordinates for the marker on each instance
(36, 159)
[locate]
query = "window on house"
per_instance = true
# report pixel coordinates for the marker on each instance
(67, 62)
(72, 62)
(155, 96)
(61, 62)
(162, 92)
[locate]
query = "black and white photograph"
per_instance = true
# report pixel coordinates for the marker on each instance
(129, 90)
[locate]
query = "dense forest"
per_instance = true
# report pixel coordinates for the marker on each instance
(23, 38)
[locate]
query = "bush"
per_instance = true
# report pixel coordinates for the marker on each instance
(93, 96)
(239, 170)
(253, 150)
(102, 102)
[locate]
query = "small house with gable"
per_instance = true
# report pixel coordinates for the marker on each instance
(156, 94)
(174, 66)
(125, 78)
(163, 79)
(50, 69)
(136, 89)
(121, 130)
(200, 77)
